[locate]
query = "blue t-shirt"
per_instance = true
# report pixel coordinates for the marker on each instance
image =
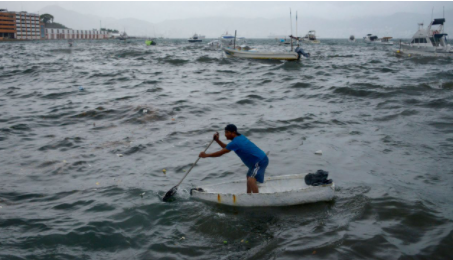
(249, 153)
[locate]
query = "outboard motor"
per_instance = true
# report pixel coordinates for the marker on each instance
(300, 51)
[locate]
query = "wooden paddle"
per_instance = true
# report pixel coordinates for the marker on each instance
(169, 195)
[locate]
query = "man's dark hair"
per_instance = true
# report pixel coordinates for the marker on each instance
(232, 128)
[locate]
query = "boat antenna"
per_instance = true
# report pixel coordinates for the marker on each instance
(432, 11)
(296, 29)
(234, 44)
(291, 21)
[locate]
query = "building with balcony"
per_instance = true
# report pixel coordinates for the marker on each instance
(66, 34)
(7, 25)
(28, 26)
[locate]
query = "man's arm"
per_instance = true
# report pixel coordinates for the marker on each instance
(217, 139)
(216, 154)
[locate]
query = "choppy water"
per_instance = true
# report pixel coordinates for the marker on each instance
(384, 124)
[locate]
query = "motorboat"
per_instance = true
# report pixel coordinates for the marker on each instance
(227, 40)
(310, 37)
(431, 41)
(123, 36)
(352, 38)
(369, 38)
(195, 38)
(285, 190)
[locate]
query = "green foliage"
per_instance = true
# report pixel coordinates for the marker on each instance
(45, 18)
(109, 30)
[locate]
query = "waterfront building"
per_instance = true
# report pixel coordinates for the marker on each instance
(27, 26)
(7, 24)
(63, 34)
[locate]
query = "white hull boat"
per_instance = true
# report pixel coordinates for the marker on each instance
(285, 190)
(375, 40)
(251, 54)
(431, 42)
(310, 37)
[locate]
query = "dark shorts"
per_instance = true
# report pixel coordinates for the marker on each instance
(258, 170)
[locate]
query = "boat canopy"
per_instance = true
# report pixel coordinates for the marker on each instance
(440, 35)
(439, 21)
(387, 38)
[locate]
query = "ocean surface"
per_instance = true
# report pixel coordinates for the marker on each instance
(86, 132)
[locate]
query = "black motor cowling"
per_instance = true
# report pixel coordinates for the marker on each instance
(318, 178)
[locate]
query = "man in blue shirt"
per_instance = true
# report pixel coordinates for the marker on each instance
(252, 156)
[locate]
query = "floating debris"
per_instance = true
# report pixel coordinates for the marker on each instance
(242, 241)
(81, 88)
(182, 238)
(145, 111)
(119, 155)
(142, 194)
(225, 242)
(164, 171)
(97, 183)
(172, 119)
(318, 152)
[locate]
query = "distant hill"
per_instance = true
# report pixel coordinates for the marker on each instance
(399, 25)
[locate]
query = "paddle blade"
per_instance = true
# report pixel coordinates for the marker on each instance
(169, 196)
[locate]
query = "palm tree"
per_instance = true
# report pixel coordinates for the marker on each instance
(45, 18)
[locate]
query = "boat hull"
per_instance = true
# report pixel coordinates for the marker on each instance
(261, 55)
(286, 190)
(423, 51)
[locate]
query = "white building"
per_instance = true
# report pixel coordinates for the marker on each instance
(27, 26)
(62, 34)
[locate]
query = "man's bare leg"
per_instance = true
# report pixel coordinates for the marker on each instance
(251, 185)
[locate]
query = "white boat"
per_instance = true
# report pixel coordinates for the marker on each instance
(227, 40)
(310, 37)
(215, 44)
(283, 41)
(264, 55)
(195, 38)
(286, 190)
(369, 38)
(429, 42)
(352, 38)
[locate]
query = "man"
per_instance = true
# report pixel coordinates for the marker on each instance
(252, 156)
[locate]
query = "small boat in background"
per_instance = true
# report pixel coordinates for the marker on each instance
(70, 42)
(369, 38)
(195, 38)
(215, 44)
(352, 38)
(310, 37)
(285, 190)
(429, 42)
(283, 41)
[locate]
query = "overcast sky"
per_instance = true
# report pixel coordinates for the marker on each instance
(155, 12)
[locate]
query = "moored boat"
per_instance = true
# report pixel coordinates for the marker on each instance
(429, 42)
(195, 38)
(285, 190)
(310, 37)
(369, 38)
(352, 38)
